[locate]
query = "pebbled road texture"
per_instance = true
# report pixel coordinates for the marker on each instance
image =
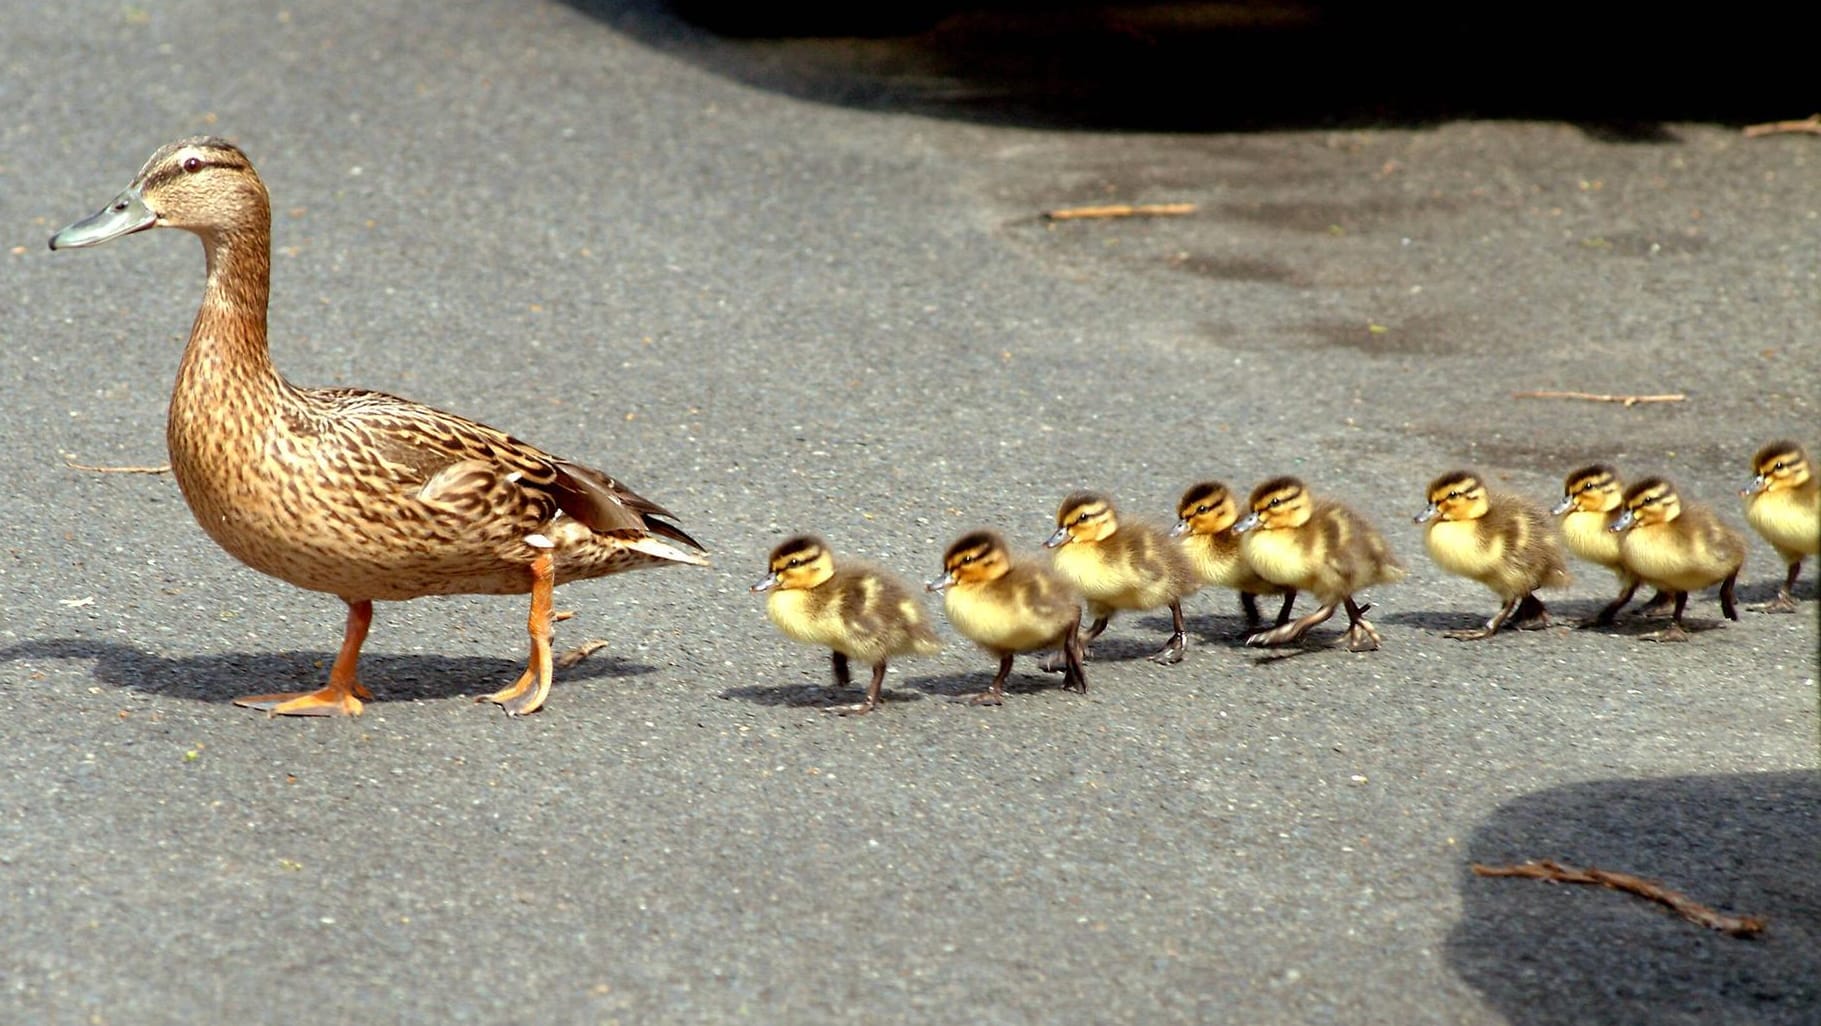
(785, 285)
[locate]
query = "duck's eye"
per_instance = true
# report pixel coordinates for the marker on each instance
(1776, 466)
(1202, 509)
(793, 564)
(191, 165)
(965, 560)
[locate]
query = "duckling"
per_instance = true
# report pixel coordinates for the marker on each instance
(1679, 547)
(855, 610)
(1007, 605)
(1783, 503)
(1205, 518)
(1298, 541)
(362, 495)
(1131, 565)
(1592, 498)
(1499, 540)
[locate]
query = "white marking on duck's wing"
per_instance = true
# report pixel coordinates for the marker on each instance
(538, 541)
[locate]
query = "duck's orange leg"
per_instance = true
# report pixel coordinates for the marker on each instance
(526, 695)
(342, 695)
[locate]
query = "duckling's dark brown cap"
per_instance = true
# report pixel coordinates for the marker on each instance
(1276, 484)
(1598, 471)
(1078, 499)
(1780, 447)
(1453, 479)
(982, 539)
(1201, 492)
(1649, 484)
(798, 543)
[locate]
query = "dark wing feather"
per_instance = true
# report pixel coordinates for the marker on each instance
(607, 506)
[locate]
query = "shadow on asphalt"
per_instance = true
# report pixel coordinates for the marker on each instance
(1619, 72)
(222, 678)
(1544, 954)
(812, 696)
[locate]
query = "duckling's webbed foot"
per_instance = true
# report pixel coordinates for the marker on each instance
(874, 693)
(1661, 604)
(1362, 636)
(1286, 633)
(1172, 651)
(995, 692)
(1783, 603)
(1673, 632)
(1610, 612)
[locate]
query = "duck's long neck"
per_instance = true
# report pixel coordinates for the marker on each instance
(227, 389)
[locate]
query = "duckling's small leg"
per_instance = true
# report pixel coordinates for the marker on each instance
(1658, 606)
(1171, 653)
(1075, 676)
(1531, 614)
(873, 692)
(1058, 661)
(1248, 602)
(1283, 614)
(1361, 636)
(1785, 602)
(526, 694)
(1492, 626)
(1283, 634)
(1727, 605)
(995, 692)
(342, 695)
(1674, 631)
(1606, 616)
(843, 680)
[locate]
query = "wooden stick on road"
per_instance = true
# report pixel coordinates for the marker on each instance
(1684, 906)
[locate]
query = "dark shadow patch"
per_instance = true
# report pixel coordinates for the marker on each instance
(1210, 66)
(1026, 679)
(1544, 954)
(810, 696)
(1238, 269)
(222, 678)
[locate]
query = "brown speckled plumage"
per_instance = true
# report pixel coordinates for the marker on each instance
(360, 494)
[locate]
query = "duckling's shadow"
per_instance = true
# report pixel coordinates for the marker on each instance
(226, 676)
(813, 696)
(1026, 679)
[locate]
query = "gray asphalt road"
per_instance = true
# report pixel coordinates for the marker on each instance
(680, 259)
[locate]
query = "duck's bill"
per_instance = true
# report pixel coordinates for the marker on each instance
(1564, 506)
(1624, 522)
(1059, 539)
(1430, 512)
(941, 583)
(1246, 523)
(126, 215)
(1757, 485)
(766, 583)
(1181, 528)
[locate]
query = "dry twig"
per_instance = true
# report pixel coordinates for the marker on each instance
(1628, 400)
(1810, 125)
(1120, 210)
(161, 469)
(1684, 906)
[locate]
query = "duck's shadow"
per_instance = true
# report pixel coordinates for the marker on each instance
(226, 676)
(1025, 679)
(1563, 617)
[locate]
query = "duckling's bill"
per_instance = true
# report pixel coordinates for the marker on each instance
(126, 215)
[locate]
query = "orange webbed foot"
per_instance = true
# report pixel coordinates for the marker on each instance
(333, 700)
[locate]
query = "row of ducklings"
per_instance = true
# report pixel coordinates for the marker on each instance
(1289, 541)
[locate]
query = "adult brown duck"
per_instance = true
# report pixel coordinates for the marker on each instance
(359, 494)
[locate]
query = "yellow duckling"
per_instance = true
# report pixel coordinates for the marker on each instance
(359, 494)
(1783, 503)
(1679, 547)
(1205, 518)
(854, 609)
(1007, 606)
(1316, 545)
(1592, 499)
(1499, 540)
(1131, 565)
